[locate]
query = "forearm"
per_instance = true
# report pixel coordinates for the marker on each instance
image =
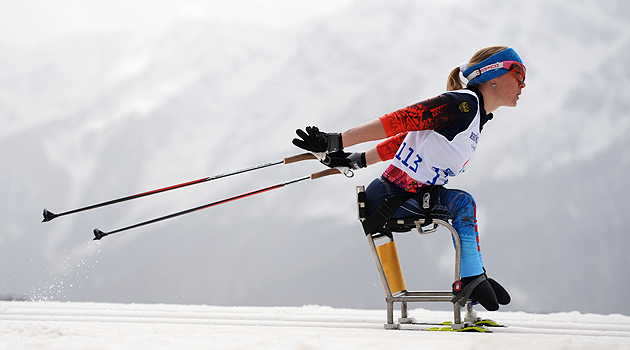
(370, 131)
(372, 157)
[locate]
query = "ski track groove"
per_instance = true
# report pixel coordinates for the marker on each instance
(215, 316)
(308, 316)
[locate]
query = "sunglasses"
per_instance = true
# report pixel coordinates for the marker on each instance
(515, 67)
(518, 70)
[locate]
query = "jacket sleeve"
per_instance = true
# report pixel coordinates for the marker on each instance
(388, 148)
(440, 112)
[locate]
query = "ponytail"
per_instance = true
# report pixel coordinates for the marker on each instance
(454, 82)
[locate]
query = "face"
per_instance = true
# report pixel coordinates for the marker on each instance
(509, 87)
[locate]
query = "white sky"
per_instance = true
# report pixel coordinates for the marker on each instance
(27, 23)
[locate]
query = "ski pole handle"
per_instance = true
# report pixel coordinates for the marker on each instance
(303, 156)
(323, 173)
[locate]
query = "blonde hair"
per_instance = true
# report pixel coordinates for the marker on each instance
(454, 82)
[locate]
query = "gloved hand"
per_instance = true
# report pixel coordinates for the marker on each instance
(314, 140)
(353, 161)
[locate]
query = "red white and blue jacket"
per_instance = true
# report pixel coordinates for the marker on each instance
(432, 140)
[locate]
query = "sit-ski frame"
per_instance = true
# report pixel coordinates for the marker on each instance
(404, 297)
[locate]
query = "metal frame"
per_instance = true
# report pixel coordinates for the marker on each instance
(405, 297)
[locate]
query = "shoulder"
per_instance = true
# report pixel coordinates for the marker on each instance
(454, 108)
(462, 107)
(451, 104)
(462, 102)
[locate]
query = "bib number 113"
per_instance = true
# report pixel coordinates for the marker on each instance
(409, 154)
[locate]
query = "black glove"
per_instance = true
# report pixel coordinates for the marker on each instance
(314, 140)
(353, 161)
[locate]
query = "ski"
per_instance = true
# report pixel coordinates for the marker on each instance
(479, 326)
(470, 329)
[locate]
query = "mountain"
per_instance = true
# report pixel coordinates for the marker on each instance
(91, 118)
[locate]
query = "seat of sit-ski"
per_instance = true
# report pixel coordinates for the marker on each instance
(406, 217)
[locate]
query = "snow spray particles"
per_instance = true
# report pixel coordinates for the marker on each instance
(71, 272)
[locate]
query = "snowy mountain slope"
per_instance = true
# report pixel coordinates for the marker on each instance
(52, 325)
(125, 114)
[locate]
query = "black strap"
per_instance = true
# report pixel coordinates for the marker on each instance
(428, 198)
(465, 293)
(384, 212)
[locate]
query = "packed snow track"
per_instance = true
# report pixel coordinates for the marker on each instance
(72, 325)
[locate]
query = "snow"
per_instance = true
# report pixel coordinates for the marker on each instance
(76, 325)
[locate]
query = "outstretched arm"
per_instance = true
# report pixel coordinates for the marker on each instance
(315, 141)
(370, 131)
(372, 157)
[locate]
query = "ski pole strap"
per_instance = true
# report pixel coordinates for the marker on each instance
(384, 212)
(465, 293)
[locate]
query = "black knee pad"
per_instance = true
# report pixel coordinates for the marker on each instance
(503, 297)
(484, 295)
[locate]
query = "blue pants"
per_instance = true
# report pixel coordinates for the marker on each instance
(456, 205)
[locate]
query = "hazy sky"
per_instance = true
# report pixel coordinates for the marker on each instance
(27, 23)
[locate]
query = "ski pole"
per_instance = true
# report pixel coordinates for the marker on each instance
(98, 234)
(48, 215)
